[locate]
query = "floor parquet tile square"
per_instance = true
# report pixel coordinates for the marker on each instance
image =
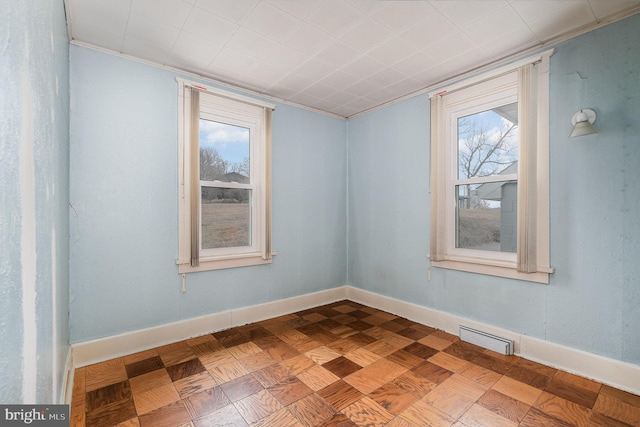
(338, 365)
(173, 354)
(479, 374)
(562, 409)
(111, 414)
(576, 389)
(290, 390)
(341, 366)
(317, 377)
(271, 375)
(393, 398)
(312, 410)
(257, 406)
(107, 395)
(503, 405)
(149, 381)
(404, 358)
(241, 387)
(206, 401)
(420, 350)
(479, 416)
(518, 390)
(194, 384)
(367, 412)
(281, 418)
(343, 346)
(448, 401)
(423, 414)
(227, 416)
(298, 364)
(432, 372)
(144, 366)
(340, 394)
(105, 373)
(155, 398)
(185, 369)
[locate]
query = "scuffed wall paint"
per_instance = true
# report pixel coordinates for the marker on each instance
(34, 136)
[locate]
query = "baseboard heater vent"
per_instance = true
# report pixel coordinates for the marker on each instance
(486, 340)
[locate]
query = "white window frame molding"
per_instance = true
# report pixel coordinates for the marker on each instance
(532, 261)
(220, 105)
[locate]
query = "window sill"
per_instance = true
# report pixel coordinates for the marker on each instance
(222, 263)
(494, 270)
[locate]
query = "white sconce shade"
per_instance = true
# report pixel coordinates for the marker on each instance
(582, 122)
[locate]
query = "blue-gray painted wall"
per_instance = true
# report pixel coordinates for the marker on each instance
(124, 194)
(122, 221)
(592, 302)
(34, 197)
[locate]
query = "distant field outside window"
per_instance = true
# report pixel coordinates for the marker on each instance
(485, 207)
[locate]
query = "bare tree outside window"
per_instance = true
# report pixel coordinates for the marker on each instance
(487, 146)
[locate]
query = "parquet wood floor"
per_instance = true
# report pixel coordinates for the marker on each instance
(340, 365)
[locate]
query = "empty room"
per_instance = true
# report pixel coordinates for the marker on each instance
(320, 212)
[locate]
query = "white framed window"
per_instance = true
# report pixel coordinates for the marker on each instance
(224, 170)
(490, 173)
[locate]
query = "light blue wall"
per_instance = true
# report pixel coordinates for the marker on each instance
(592, 302)
(124, 198)
(34, 196)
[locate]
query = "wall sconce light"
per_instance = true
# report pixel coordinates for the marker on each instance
(582, 123)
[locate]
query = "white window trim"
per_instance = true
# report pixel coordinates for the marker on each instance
(260, 252)
(532, 263)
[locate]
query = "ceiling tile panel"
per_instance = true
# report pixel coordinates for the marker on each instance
(270, 21)
(366, 35)
(285, 57)
(115, 12)
(167, 12)
(429, 31)
(392, 51)
(334, 17)
(150, 32)
(210, 26)
(465, 12)
(299, 9)
(570, 15)
(192, 53)
(605, 9)
(100, 34)
(341, 56)
(339, 79)
(232, 10)
(337, 54)
(249, 43)
(494, 26)
(363, 67)
(400, 15)
(308, 39)
(414, 63)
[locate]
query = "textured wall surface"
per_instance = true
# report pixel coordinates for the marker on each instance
(592, 300)
(124, 193)
(34, 195)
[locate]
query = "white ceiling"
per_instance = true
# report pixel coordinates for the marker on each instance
(338, 56)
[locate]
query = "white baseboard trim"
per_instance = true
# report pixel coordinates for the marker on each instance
(67, 380)
(624, 376)
(621, 375)
(99, 350)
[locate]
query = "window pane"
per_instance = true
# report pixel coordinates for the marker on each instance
(486, 216)
(224, 152)
(488, 142)
(226, 217)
